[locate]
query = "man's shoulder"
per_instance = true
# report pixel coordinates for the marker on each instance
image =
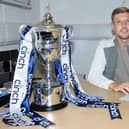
(107, 42)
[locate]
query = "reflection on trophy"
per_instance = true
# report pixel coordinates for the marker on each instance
(48, 90)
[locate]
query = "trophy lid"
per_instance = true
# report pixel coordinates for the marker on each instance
(48, 24)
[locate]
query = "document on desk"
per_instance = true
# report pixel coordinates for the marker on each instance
(125, 98)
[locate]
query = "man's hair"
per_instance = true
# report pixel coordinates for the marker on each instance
(119, 10)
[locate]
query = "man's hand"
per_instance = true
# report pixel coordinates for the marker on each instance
(122, 87)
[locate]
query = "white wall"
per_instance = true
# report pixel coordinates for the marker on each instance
(11, 18)
(82, 11)
(91, 21)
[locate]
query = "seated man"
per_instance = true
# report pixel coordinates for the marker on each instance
(110, 67)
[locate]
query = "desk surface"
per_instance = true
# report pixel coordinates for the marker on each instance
(73, 117)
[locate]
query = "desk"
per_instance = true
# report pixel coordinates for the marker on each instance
(73, 117)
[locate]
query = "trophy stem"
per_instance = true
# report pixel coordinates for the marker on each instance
(49, 72)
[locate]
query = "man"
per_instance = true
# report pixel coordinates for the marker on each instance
(110, 67)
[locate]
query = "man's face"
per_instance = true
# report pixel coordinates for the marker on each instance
(120, 25)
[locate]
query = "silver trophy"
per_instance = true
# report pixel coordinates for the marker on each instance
(48, 90)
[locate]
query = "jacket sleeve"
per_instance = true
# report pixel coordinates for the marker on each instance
(95, 75)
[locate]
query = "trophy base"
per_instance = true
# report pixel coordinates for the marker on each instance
(37, 107)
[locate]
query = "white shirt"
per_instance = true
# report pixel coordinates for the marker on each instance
(96, 76)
